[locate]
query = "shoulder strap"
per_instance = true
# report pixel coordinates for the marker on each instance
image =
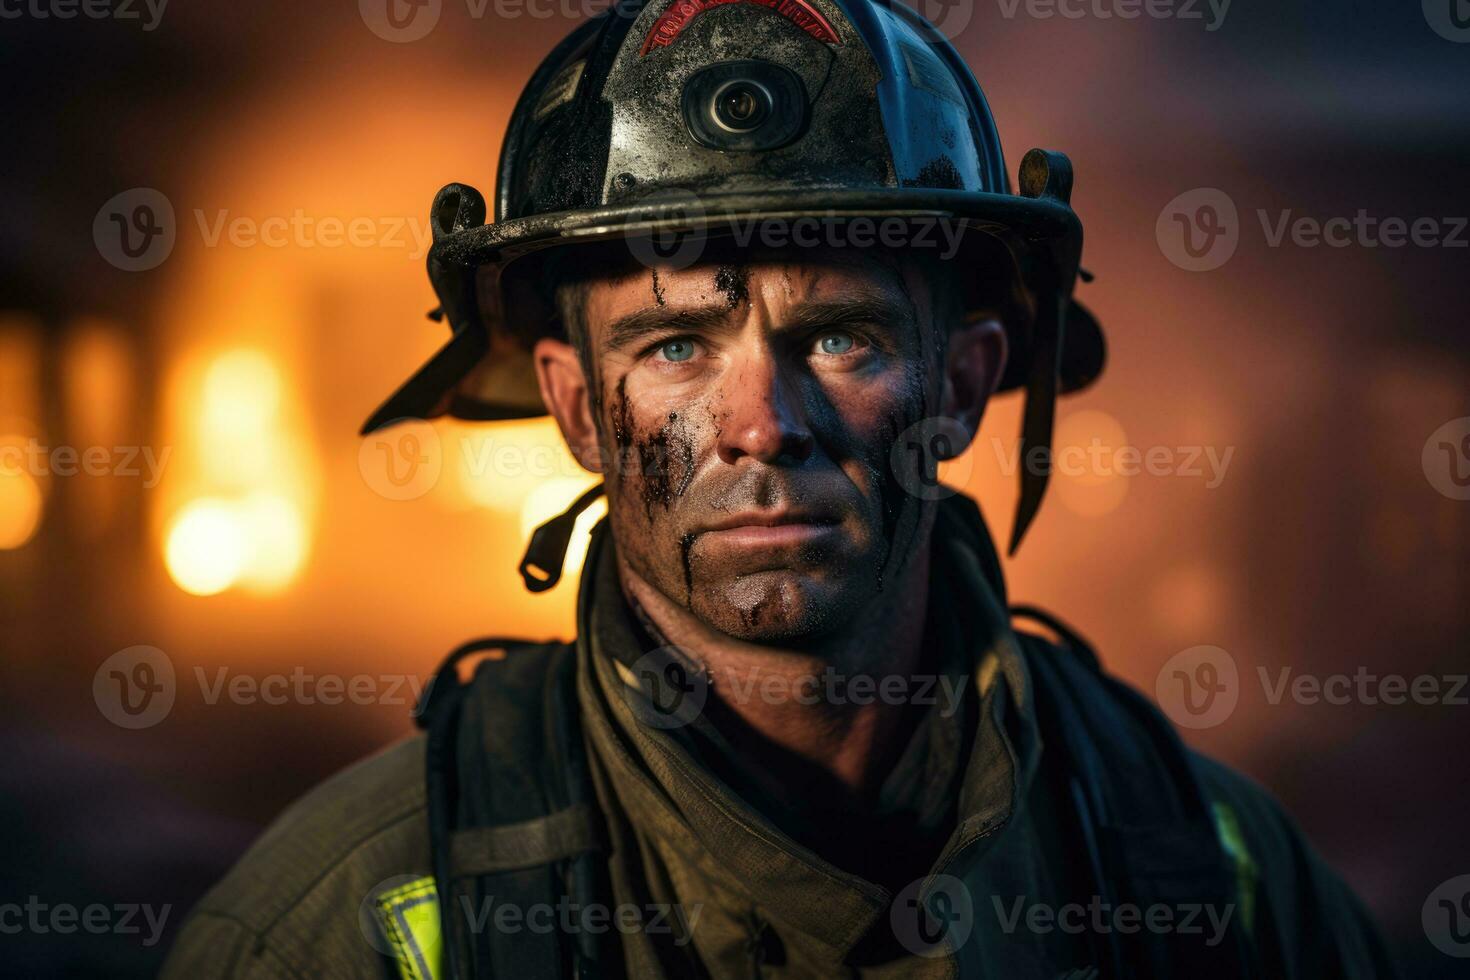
(514, 824)
(1148, 826)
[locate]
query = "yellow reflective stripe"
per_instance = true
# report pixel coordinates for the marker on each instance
(409, 915)
(1247, 872)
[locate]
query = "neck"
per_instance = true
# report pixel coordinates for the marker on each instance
(775, 702)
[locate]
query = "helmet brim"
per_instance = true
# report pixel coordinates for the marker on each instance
(485, 373)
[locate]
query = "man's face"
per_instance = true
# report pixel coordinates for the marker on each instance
(745, 415)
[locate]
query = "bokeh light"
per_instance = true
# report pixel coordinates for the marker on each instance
(206, 547)
(1086, 479)
(20, 507)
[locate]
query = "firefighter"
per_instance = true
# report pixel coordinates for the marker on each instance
(762, 262)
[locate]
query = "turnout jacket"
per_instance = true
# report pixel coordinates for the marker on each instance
(1042, 821)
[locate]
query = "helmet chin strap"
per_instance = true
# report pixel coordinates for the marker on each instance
(541, 566)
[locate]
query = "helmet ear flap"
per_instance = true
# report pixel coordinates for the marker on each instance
(1044, 174)
(1040, 411)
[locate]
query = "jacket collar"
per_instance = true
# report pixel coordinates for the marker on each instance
(676, 803)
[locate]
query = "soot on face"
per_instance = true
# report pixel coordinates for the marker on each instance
(666, 460)
(665, 457)
(658, 503)
(734, 282)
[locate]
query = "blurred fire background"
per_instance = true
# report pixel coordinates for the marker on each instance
(266, 547)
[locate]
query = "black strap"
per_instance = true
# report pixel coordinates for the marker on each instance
(1141, 810)
(513, 820)
(541, 566)
(528, 844)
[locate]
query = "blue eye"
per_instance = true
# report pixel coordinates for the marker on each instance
(836, 343)
(677, 350)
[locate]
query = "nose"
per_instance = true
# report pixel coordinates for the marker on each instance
(762, 416)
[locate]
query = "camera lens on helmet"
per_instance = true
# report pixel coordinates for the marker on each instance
(741, 105)
(744, 105)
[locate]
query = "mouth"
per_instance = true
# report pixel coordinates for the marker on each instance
(770, 528)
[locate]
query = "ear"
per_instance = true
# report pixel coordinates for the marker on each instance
(973, 364)
(564, 390)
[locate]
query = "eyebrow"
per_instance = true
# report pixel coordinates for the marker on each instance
(628, 330)
(874, 309)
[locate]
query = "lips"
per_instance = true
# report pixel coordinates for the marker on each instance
(770, 519)
(770, 529)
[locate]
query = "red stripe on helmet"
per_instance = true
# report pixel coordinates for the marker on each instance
(681, 14)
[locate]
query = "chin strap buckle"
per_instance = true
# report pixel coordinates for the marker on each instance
(541, 566)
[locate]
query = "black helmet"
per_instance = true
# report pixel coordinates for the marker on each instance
(702, 116)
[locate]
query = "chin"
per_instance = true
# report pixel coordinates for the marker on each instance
(779, 606)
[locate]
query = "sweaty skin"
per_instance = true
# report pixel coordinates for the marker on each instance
(746, 444)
